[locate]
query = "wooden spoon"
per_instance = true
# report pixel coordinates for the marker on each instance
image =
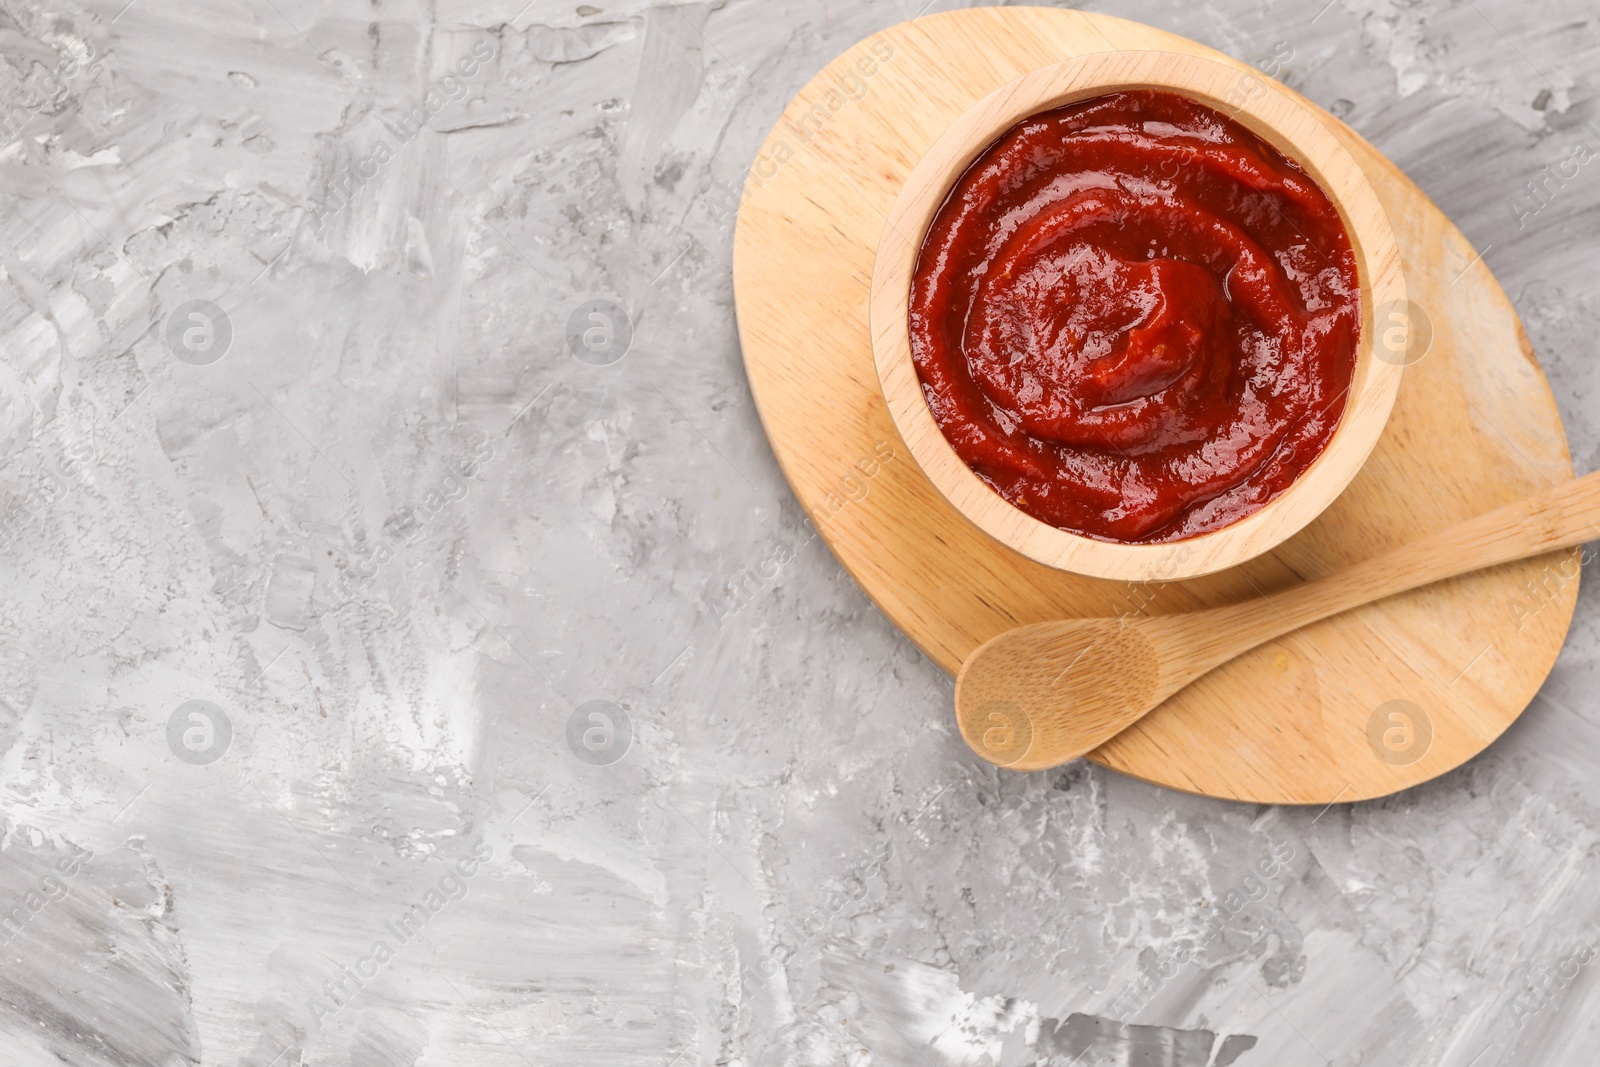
(1041, 695)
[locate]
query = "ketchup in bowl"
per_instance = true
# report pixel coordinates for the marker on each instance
(1135, 319)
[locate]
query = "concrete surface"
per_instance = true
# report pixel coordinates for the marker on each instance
(373, 689)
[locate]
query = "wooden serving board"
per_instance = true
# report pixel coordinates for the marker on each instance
(1358, 706)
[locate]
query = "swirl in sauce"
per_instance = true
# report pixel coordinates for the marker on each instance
(1136, 319)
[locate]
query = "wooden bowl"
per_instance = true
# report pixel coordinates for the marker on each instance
(1272, 113)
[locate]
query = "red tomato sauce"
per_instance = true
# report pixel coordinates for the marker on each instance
(1136, 319)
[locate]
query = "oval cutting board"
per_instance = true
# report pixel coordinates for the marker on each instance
(1354, 707)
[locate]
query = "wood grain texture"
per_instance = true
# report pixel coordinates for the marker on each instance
(1037, 696)
(1474, 426)
(1277, 116)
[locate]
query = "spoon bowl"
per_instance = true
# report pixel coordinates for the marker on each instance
(1031, 693)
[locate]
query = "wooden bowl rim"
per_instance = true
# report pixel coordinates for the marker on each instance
(1278, 117)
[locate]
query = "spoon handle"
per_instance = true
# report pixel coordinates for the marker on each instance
(1559, 517)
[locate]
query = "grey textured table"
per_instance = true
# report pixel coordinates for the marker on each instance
(320, 546)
